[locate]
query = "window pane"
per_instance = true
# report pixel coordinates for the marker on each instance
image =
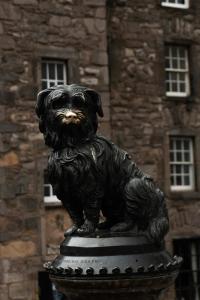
(167, 87)
(174, 76)
(44, 71)
(171, 144)
(174, 63)
(174, 87)
(186, 144)
(179, 180)
(174, 51)
(182, 52)
(182, 77)
(187, 156)
(182, 87)
(51, 83)
(171, 156)
(182, 64)
(60, 73)
(167, 64)
(186, 169)
(47, 192)
(51, 71)
(172, 169)
(178, 144)
(178, 169)
(186, 180)
(44, 85)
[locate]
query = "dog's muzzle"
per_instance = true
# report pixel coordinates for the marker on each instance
(70, 117)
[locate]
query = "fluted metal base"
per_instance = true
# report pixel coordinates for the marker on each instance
(124, 267)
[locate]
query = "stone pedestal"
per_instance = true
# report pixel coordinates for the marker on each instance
(123, 267)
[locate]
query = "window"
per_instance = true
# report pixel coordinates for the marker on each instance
(53, 73)
(177, 71)
(49, 196)
(188, 281)
(181, 163)
(176, 3)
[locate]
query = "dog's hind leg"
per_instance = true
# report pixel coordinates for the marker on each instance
(125, 226)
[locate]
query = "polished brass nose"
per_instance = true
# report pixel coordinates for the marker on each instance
(70, 117)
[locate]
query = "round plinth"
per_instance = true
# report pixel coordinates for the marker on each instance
(110, 267)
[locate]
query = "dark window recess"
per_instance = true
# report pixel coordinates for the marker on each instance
(188, 281)
(47, 290)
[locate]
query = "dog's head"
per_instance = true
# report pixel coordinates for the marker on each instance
(68, 114)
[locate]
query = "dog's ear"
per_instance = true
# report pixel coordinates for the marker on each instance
(40, 107)
(96, 100)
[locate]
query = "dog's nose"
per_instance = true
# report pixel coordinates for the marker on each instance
(70, 115)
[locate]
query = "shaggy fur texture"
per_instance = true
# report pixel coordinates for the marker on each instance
(90, 174)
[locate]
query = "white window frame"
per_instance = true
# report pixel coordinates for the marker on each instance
(170, 70)
(175, 4)
(50, 81)
(182, 163)
(52, 199)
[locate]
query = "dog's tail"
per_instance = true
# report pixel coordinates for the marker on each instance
(146, 204)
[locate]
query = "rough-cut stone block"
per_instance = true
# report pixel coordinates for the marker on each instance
(89, 81)
(6, 97)
(104, 75)
(101, 12)
(2, 113)
(100, 58)
(6, 127)
(26, 2)
(90, 25)
(1, 28)
(104, 129)
(100, 25)
(4, 292)
(95, 2)
(59, 21)
(18, 248)
(13, 277)
(92, 71)
(9, 12)
(18, 291)
(9, 159)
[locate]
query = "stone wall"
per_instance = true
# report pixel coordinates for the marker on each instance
(30, 30)
(142, 117)
(116, 47)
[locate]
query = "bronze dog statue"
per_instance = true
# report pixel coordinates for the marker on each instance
(90, 174)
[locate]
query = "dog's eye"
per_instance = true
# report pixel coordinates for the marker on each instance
(58, 104)
(79, 101)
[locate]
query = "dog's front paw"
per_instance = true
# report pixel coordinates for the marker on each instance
(87, 228)
(71, 230)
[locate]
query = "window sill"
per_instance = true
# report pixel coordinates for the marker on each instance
(177, 98)
(184, 195)
(55, 203)
(185, 10)
(175, 6)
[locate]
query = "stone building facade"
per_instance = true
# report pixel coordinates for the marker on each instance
(120, 48)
